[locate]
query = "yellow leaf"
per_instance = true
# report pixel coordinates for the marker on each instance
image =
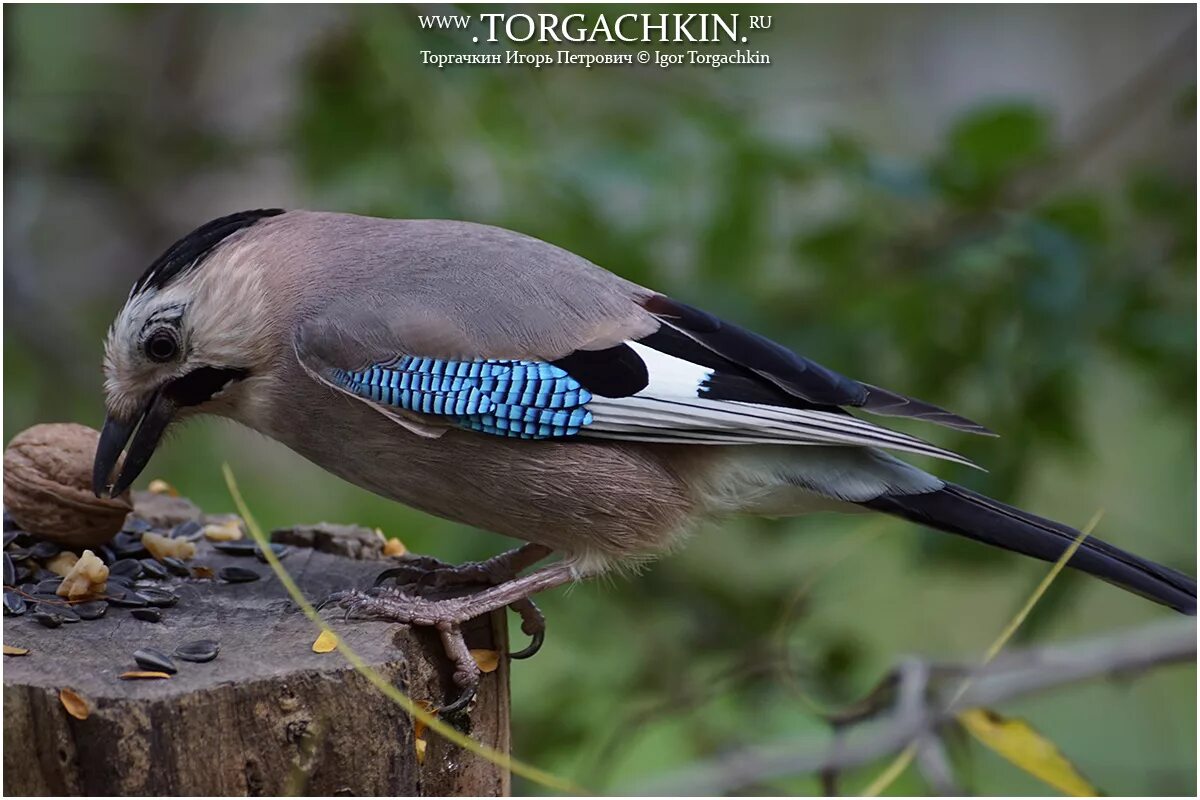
(9, 650)
(326, 642)
(75, 703)
(394, 547)
(1016, 741)
(487, 660)
(159, 486)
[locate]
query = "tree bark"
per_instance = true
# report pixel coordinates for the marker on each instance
(267, 717)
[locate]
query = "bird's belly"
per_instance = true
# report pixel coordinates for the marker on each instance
(595, 500)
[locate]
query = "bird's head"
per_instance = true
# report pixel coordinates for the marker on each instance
(189, 335)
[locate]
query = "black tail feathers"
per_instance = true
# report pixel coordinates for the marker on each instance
(957, 510)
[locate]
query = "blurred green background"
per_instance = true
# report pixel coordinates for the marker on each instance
(992, 208)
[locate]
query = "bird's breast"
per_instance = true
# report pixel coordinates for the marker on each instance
(593, 499)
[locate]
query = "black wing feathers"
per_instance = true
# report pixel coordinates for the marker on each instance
(795, 376)
(956, 509)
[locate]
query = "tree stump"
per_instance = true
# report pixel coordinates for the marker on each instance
(267, 717)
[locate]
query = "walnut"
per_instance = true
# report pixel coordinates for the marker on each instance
(48, 486)
(165, 547)
(89, 576)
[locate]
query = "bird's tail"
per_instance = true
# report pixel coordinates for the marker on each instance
(957, 510)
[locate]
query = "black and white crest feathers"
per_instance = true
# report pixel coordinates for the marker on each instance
(190, 251)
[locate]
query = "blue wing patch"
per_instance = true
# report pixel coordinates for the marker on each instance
(521, 399)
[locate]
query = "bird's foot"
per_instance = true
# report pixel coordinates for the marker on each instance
(424, 575)
(447, 615)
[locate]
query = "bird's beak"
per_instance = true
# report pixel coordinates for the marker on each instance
(150, 423)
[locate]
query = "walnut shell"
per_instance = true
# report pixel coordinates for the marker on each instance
(48, 486)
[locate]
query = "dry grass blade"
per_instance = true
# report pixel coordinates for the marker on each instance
(411, 707)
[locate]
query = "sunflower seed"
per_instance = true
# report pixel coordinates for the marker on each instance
(49, 585)
(106, 554)
(14, 604)
(126, 567)
(147, 614)
(279, 550)
(136, 525)
(94, 609)
(160, 598)
(10, 571)
(176, 567)
(200, 651)
(47, 618)
(153, 569)
(19, 553)
(154, 660)
(237, 574)
(238, 547)
(190, 531)
(127, 598)
(44, 550)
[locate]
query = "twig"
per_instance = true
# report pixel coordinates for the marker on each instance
(1008, 677)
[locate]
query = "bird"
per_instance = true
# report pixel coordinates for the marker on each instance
(497, 380)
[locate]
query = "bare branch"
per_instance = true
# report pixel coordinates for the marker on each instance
(919, 712)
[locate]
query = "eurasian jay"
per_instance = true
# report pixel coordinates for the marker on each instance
(494, 379)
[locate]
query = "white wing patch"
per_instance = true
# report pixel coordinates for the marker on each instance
(672, 408)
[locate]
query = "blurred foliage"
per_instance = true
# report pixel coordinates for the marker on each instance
(985, 275)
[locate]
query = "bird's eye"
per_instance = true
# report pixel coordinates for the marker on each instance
(161, 346)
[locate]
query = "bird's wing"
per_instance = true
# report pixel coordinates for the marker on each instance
(552, 347)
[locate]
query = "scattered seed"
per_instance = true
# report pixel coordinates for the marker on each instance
(14, 604)
(125, 546)
(237, 575)
(325, 643)
(9, 537)
(94, 609)
(190, 531)
(10, 571)
(48, 619)
(149, 658)
(67, 613)
(176, 567)
(44, 550)
(242, 547)
(199, 651)
(107, 555)
(147, 614)
(160, 598)
(153, 569)
(142, 675)
(136, 525)
(127, 598)
(10, 524)
(49, 586)
(19, 553)
(127, 568)
(75, 703)
(9, 650)
(23, 574)
(278, 549)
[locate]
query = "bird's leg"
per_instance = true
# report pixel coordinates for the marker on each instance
(448, 614)
(434, 574)
(429, 575)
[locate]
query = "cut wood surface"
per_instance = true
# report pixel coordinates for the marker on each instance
(269, 716)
